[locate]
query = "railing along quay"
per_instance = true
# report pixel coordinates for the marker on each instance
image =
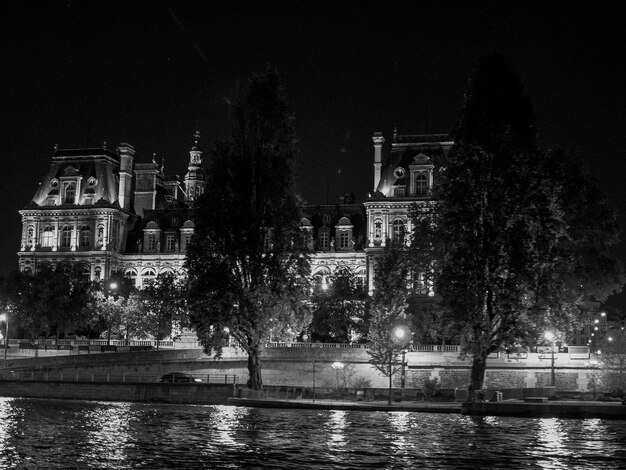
(86, 344)
(29, 375)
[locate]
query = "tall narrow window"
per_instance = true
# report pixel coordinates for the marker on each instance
(30, 233)
(421, 184)
(398, 232)
(170, 240)
(66, 236)
(152, 242)
(344, 242)
(324, 240)
(85, 236)
(70, 193)
(47, 237)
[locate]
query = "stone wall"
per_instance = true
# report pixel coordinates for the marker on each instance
(205, 394)
(303, 366)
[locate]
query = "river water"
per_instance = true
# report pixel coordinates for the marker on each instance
(64, 434)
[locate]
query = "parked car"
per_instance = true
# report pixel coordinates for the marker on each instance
(179, 377)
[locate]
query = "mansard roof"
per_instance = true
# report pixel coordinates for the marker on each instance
(101, 164)
(404, 150)
(329, 216)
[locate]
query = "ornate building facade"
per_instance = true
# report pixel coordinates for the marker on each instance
(99, 208)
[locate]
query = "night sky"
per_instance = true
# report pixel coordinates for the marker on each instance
(150, 73)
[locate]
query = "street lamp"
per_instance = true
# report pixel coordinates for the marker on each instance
(5, 318)
(398, 336)
(337, 366)
(550, 337)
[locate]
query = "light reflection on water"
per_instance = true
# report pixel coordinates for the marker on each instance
(85, 435)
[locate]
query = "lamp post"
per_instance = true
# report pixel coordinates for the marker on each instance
(550, 337)
(397, 336)
(5, 318)
(403, 373)
(110, 291)
(337, 366)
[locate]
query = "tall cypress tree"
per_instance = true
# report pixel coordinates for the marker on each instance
(247, 272)
(503, 220)
(491, 216)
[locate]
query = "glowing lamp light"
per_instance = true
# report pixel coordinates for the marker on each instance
(603, 314)
(548, 335)
(596, 321)
(400, 333)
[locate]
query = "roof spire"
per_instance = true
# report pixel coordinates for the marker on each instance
(196, 138)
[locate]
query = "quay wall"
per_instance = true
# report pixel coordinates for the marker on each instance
(293, 366)
(201, 394)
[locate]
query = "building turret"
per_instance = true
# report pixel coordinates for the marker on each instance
(378, 140)
(195, 179)
(127, 154)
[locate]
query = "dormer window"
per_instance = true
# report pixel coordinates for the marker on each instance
(69, 194)
(343, 237)
(421, 184)
(344, 241)
(399, 191)
(421, 175)
(323, 239)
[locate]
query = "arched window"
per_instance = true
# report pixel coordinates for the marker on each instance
(132, 275)
(85, 236)
(30, 233)
(70, 193)
(66, 236)
(47, 237)
(148, 276)
(397, 232)
(421, 184)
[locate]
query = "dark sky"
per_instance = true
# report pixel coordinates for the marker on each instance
(80, 73)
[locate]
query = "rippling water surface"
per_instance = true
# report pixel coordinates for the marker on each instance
(80, 434)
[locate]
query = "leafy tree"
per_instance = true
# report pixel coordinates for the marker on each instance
(247, 270)
(580, 266)
(163, 307)
(388, 329)
(52, 301)
(340, 310)
(614, 358)
(499, 225)
(110, 303)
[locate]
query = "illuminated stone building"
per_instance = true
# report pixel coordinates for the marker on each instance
(99, 208)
